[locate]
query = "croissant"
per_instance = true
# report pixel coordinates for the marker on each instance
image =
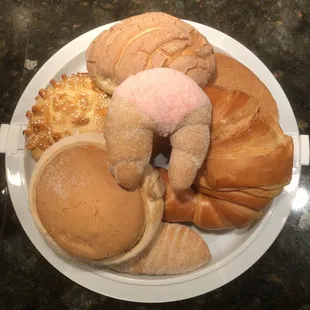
(166, 102)
(233, 75)
(204, 211)
(246, 145)
(72, 105)
(249, 162)
(175, 249)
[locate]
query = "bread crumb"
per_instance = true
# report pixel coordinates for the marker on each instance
(304, 222)
(30, 64)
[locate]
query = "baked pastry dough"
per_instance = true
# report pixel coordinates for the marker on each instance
(80, 210)
(249, 162)
(86, 217)
(70, 106)
(248, 148)
(151, 40)
(233, 75)
(166, 102)
(176, 249)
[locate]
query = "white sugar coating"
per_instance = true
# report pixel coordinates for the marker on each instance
(163, 94)
(54, 176)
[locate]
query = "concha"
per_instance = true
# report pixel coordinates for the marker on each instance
(147, 41)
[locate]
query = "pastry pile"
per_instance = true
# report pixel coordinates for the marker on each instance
(153, 83)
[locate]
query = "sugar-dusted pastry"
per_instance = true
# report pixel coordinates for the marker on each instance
(249, 162)
(176, 249)
(81, 211)
(151, 40)
(164, 101)
(70, 106)
(233, 75)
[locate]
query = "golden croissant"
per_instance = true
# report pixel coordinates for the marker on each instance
(249, 162)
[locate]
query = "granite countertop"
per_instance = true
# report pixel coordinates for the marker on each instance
(277, 31)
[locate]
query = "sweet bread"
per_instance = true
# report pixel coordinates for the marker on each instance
(164, 101)
(151, 40)
(176, 249)
(81, 211)
(70, 106)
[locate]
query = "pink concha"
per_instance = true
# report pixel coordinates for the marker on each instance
(163, 94)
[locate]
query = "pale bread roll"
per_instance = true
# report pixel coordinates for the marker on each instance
(151, 191)
(151, 40)
(176, 249)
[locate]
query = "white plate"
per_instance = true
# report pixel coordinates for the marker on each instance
(233, 252)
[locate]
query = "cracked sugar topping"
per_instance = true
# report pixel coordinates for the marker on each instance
(83, 209)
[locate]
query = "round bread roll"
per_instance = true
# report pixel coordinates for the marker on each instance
(71, 106)
(147, 41)
(81, 211)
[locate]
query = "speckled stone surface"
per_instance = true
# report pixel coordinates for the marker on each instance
(277, 31)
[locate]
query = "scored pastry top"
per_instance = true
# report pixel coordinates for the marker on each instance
(149, 41)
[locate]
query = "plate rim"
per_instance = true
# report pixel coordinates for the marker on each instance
(162, 293)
